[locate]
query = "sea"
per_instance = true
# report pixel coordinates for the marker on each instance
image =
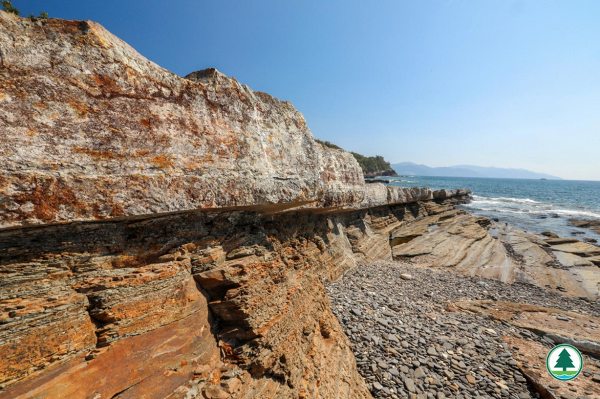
(531, 205)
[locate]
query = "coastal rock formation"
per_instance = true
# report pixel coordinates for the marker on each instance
(203, 294)
(170, 237)
(92, 130)
(593, 224)
(473, 245)
(566, 327)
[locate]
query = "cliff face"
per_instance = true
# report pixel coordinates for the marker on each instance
(169, 237)
(93, 130)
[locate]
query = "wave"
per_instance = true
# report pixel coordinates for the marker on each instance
(507, 199)
(521, 211)
(576, 213)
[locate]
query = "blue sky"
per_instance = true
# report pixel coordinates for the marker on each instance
(511, 83)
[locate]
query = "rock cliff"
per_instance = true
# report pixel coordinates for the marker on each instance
(169, 237)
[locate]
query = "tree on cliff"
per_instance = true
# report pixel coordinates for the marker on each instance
(8, 7)
(564, 360)
(373, 164)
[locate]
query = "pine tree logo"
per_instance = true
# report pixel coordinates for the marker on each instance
(564, 362)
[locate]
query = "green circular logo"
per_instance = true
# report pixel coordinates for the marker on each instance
(564, 362)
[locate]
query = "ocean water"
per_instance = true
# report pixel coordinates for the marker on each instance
(531, 205)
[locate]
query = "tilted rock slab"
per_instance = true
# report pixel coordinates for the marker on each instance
(460, 242)
(169, 237)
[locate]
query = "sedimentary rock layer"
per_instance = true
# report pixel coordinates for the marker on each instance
(464, 243)
(93, 130)
(202, 294)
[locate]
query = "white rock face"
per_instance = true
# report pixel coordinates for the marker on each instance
(93, 130)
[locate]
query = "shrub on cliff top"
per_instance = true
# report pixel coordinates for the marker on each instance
(328, 144)
(8, 7)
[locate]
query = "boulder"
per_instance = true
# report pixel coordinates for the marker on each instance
(570, 260)
(550, 234)
(578, 248)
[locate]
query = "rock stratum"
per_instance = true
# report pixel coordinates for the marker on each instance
(170, 237)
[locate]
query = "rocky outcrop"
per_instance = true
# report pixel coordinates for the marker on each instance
(169, 237)
(593, 224)
(473, 245)
(203, 294)
(378, 173)
(92, 130)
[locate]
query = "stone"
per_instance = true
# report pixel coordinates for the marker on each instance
(215, 393)
(406, 277)
(570, 260)
(578, 248)
(409, 384)
(449, 374)
(419, 373)
(431, 351)
(550, 234)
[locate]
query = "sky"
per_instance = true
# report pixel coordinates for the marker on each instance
(505, 83)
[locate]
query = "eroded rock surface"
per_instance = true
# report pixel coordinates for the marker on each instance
(474, 245)
(237, 291)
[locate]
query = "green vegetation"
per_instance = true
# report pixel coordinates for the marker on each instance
(371, 166)
(376, 164)
(8, 7)
(328, 144)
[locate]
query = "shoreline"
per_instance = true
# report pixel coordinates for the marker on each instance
(419, 325)
(531, 206)
(457, 240)
(417, 331)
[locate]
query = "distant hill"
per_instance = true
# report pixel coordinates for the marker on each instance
(374, 166)
(409, 168)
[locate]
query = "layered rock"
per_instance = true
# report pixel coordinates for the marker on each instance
(92, 130)
(230, 292)
(593, 224)
(169, 237)
(464, 243)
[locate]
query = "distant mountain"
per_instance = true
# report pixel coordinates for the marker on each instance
(409, 168)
